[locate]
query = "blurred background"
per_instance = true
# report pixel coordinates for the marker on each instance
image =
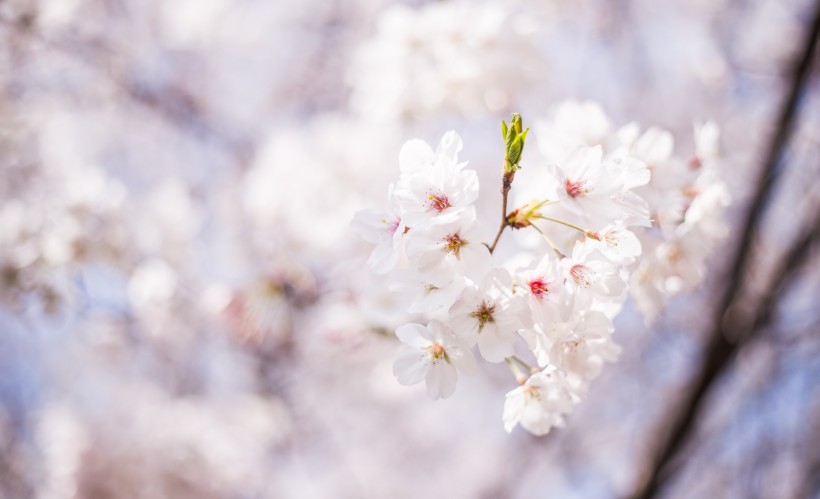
(184, 312)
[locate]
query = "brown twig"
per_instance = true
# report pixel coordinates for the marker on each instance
(506, 185)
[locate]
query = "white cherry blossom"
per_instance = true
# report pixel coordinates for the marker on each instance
(433, 355)
(543, 284)
(489, 314)
(427, 293)
(596, 190)
(417, 155)
(554, 325)
(618, 244)
(386, 230)
(455, 242)
(434, 192)
(707, 136)
(584, 351)
(539, 404)
(573, 123)
(590, 275)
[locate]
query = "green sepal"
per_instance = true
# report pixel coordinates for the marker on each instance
(515, 123)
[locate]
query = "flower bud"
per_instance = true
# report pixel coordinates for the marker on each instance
(514, 137)
(523, 216)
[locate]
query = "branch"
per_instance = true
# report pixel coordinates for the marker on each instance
(720, 348)
(505, 191)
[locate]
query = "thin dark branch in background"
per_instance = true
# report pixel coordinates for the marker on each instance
(798, 255)
(723, 339)
(796, 259)
(811, 485)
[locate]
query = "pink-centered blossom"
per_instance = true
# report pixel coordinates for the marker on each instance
(598, 191)
(590, 276)
(434, 184)
(386, 230)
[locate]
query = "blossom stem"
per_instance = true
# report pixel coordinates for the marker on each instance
(549, 241)
(497, 236)
(585, 232)
(520, 377)
(506, 184)
(543, 203)
(523, 364)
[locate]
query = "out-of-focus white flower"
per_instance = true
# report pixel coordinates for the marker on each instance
(587, 348)
(434, 356)
(539, 404)
(648, 290)
(427, 61)
(296, 204)
(707, 145)
(416, 155)
(687, 198)
(153, 283)
(704, 217)
(574, 123)
(654, 146)
(386, 231)
(224, 444)
(554, 326)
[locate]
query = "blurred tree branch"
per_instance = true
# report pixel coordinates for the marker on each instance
(731, 329)
(173, 104)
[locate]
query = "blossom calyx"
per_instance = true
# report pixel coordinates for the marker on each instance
(514, 138)
(523, 216)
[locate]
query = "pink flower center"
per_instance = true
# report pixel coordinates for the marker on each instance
(453, 244)
(570, 346)
(438, 202)
(539, 287)
(437, 351)
(391, 225)
(575, 189)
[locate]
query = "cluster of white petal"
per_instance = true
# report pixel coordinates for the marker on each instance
(428, 61)
(560, 300)
(685, 197)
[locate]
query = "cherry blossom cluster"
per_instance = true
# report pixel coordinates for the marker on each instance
(686, 195)
(559, 296)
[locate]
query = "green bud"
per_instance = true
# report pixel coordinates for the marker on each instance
(515, 122)
(514, 138)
